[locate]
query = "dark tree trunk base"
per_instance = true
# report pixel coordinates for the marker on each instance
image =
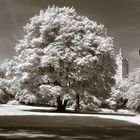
(77, 108)
(61, 106)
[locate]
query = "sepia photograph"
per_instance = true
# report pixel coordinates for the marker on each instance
(69, 69)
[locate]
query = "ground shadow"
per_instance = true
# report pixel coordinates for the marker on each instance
(80, 112)
(74, 133)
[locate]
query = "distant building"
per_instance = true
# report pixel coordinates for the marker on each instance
(122, 66)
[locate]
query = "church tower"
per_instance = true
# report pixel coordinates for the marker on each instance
(122, 66)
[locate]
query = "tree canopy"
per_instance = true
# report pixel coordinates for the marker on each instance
(129, 88)
(62, 53)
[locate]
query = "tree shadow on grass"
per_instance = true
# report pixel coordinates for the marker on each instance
(81, 112)
(73, 133)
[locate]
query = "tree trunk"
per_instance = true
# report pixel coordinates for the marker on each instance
(61, 107)
(59, 104)
(64, 105)
(77, 108)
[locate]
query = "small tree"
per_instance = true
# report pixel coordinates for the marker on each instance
(127, 92)
(63, 49)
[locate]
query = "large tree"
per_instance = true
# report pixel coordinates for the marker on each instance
(63, 53)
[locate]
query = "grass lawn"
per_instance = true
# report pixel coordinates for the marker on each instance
(66, 128)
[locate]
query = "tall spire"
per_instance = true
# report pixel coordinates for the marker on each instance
(120, 52)
(123, 66)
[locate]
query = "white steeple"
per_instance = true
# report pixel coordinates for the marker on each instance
(122, 66)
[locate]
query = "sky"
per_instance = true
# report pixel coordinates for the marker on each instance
(121, 18)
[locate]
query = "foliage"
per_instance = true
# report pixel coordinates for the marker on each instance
(62, 53)
(129, 89)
